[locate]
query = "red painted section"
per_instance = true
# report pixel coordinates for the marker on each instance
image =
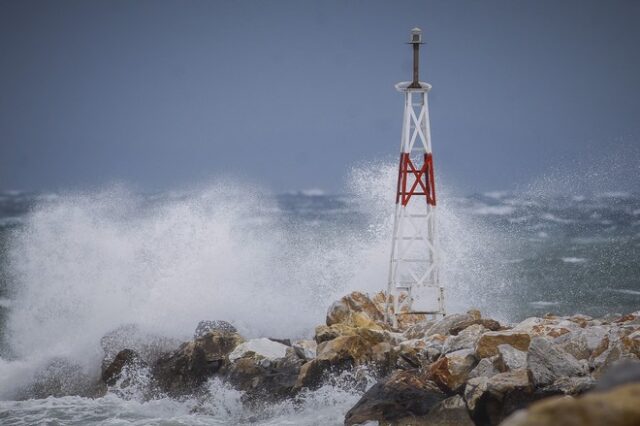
(413, 181)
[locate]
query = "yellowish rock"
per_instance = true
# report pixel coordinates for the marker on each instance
(487, 345)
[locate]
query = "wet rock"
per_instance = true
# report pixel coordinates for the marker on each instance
(449, 412)
(466, 339)
(418, 330)
(490, 400)
(488, 344)
(486, 368)
(147, 345)
(405, 394)
(183, 370)
(509, 358)
(487, 323)
(265, 348)
(126, 358)
(305, 349)
(356, 310)
(448, 323)
(547, 362)
(452, 370)
(582, 343)
(617, 407)
(368, 347)
(205, 327)
(264, 379)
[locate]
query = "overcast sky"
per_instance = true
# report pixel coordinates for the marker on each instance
(292, 94)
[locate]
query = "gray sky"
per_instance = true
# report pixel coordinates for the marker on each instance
(294, 93)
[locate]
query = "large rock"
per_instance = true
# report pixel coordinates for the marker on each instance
(465, 339)
(405, 394)
(264, 379)
(547, 362)
(262, 347)
(125, 360)
(452, 370)
(617, 407)
(367, 347)
(356, 310)
(305, 349)
(509, 358)
(492, 399)
(182, 371)
(487, 345)
(584, 342)
(486, 367)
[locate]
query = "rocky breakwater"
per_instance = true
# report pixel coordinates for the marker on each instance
(464, 369)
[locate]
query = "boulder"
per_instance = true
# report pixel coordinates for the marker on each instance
(620, 373)
(582, 343)
(449, 412)
(265, 348)
(488, 323)
(547, 362)
(466, 339)
(305, 349)
(452, 370)
(205, 327)
(492, 399)
(185, 369)
(125, 359)
(356, 310)
(264, 379)
(405, 394)
(509, 358)
(368, 347)
(568, 386)
(451, 322)
(617, 407)
(488, 343)
(486, 368)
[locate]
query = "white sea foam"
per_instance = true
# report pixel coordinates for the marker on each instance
(494, 210)
(626, 291)
(543, 303)
(573, 259)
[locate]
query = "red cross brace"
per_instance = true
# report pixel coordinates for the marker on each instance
(423, 180)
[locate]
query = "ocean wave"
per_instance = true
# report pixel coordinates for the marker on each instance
(494, 210)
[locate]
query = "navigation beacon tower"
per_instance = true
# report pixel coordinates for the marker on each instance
(414, 286)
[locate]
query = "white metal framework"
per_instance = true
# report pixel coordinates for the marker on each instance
(414, 285)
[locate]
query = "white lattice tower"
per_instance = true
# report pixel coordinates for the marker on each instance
(414, 285)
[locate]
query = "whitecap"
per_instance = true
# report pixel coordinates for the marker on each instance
(552, 218)
(625, 291)
(573, 259)
(543, 303)
(494, 210)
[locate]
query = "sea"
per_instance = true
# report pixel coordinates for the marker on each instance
(75, 265)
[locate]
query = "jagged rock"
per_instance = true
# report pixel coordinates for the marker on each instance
(418, 330)
(582, 343)
(466, 339)
(266, 348)
(568, 386)
(490, 400)
(368, 347)
(263, 378)
(448, 323)
(404, 394)
(620, 373)
(305, 349)
(449, 412)
(451, 371)
(356, 310)
(547, 362)
(550, 325)
(126, 358)
(488, 343)
(486, 368)
(509, 358)
(194, 362)
(487, 323)
(205, 327)
(617, 407)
